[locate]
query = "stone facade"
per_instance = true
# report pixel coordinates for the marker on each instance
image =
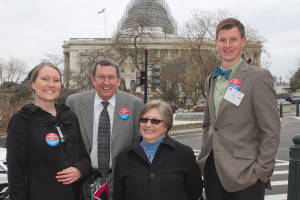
(160, 49)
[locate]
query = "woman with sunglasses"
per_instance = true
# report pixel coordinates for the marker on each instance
(156, 166)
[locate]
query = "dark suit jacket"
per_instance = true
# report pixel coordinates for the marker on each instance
(173, 174)
(244, 138)
(124, 132)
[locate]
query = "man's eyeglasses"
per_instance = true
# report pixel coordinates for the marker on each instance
(103, 78)
(153, 121)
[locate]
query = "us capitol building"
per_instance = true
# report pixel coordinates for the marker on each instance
(161, 39)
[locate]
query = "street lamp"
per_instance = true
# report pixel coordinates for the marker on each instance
(280, 80)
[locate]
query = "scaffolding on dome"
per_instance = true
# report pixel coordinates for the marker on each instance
(157, 11)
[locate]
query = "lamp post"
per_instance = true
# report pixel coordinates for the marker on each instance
(280, 80)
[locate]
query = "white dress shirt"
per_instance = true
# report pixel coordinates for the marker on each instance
(98, 107)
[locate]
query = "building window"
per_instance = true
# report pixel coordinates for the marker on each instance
(132, 69)
(132, 84)
(122, 85)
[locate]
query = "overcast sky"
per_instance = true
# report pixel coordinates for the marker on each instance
(32, 28)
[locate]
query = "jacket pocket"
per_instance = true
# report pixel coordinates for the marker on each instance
(246, 154)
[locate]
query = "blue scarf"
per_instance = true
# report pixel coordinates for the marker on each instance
(150, 148)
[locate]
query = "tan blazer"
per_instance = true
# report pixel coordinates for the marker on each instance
(244, 138)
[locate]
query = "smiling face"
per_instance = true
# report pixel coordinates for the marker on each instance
(229, 45)
(47, 85)
(106, 81)
(152, 132)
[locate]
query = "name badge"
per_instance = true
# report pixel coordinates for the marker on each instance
(234, 96)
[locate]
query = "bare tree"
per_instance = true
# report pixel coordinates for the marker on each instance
(12, 97)
(198, 38)
(129, 46)
(169, 88)
(55, 59)
(201, 56)
(7, 109)
(12, 70)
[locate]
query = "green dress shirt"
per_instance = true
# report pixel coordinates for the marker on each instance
(220, 86)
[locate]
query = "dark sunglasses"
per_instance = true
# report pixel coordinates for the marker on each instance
(153, 121)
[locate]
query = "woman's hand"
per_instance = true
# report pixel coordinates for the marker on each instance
(68, 176)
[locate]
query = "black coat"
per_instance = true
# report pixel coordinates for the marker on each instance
(173, 174)
(33, 163)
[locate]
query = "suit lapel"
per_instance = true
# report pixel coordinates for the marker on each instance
(240, 74)
(120, 103)
(211, 96)
(87, 109)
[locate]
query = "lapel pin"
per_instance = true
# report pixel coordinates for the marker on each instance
(235, 84)
(124, 113)
(52, 139)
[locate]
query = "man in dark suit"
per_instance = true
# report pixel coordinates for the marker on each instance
(241, 126)
(123, 110)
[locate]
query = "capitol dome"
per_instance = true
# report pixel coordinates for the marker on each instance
(150, 15)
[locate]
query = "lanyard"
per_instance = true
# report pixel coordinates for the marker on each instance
(62, 138)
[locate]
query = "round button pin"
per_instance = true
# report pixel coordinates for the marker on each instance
(52, 139)
(235, 84)
(124, 113)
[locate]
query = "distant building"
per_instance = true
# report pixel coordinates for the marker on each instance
(282, 88)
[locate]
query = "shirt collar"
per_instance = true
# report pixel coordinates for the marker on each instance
(233, 68)
(98, 100)
(167, 140)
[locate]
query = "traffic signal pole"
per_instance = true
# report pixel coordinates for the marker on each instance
(146, 75)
